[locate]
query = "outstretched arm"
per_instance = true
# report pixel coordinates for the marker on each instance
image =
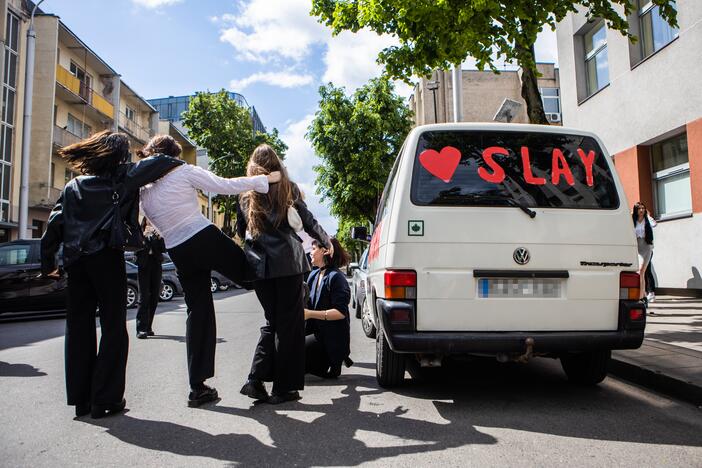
(209, 182)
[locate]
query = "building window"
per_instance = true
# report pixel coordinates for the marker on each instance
(551, 99)
(78, 127)
(129, 113)
(37, 228)
(655, 32)
(67, 175)
(596, 66)
(85, 81)
(671, 177)
(7, 113)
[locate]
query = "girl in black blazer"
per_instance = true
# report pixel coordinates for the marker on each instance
(329, 334)
(278, 264)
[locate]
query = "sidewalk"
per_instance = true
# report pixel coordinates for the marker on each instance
(670, 359)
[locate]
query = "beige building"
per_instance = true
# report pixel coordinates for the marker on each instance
(483, 94)
(76, 93)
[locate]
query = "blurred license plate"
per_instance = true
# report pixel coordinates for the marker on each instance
(520, 287)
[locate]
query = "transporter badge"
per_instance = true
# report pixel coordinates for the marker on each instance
(415, 228)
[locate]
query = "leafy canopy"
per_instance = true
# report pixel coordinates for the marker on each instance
(435, 34)
(357, 138)
(224, 128)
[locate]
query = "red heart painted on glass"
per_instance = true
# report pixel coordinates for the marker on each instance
(441, 165)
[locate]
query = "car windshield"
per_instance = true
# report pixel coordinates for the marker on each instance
(498, 168)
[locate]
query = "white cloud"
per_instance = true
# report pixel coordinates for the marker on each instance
(265, 30)
(350, 58)
(154, 4)
(300, 160)
(546, 48)
(279, 79)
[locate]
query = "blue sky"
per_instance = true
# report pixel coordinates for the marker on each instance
(271, 51)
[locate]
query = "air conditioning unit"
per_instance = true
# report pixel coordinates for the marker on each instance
(553, 117)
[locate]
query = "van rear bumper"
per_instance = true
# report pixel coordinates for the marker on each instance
(404, 339)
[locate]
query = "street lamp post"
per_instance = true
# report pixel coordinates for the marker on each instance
(433, 86)
(27, 128)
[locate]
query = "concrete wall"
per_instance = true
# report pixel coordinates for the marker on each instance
(665, 86)
(43, 108)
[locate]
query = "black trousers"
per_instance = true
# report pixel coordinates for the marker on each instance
(280, 353)
(649, 279)
(195, 259)
(317, 361)
(92, 374)
(149, 291)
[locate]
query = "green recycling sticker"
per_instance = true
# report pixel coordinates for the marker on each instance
(415, 227)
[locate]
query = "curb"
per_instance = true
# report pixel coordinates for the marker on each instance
(655, 380)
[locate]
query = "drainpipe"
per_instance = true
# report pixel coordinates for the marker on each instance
(116, 81)
(27, 128)
(457, 93)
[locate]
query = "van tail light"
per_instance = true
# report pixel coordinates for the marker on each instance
(636, 315)
(400, 284)
(629, 286)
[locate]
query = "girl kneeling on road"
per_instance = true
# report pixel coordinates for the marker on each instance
(327, 345)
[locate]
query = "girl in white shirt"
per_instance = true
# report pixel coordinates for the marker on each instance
(196, 247)
(644, 241)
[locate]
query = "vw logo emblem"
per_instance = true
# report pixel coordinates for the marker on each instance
(521, 256)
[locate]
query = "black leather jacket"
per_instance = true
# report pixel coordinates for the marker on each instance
(82, 216)
(278, 252)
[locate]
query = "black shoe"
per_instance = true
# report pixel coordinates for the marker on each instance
(82, 409)
(150, 333)
(254, 389)
(278, 398)
(348, 362)
(201, 396)
(142, 335)
(99, 411)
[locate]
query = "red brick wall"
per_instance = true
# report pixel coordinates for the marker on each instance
(694, 151)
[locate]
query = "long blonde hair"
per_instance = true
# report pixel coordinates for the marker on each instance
(280, 196)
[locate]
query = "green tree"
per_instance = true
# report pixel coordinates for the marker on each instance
(343, 234)
(357, 138)
(438, 33)
(224, 128)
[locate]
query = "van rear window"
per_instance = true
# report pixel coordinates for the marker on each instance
(483, 168)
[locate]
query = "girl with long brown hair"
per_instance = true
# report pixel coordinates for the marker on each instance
(278, 262)
(197, 247)
(83, 220)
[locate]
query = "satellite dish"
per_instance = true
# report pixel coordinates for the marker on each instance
(507, 111)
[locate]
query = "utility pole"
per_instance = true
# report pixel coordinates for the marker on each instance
(27, 127)
(457, 93)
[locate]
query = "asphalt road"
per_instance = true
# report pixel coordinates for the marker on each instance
(469, 414)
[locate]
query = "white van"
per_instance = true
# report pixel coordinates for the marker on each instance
(503, 240)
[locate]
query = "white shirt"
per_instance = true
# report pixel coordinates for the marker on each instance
(306, 241)
(640, 227)
(171, 203)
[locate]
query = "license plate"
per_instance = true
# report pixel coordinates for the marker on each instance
(520, 287)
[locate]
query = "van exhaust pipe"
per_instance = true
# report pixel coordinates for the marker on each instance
(523, 358)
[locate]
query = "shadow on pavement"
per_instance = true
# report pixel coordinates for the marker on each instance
(19, 370)
(476, 398)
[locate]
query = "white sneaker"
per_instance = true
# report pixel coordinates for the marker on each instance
(651, 297)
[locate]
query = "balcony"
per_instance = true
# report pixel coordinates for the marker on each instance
(134, 129)
(78, 92)
(63, 137)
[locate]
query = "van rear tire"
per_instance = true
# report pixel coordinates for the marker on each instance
(389, 365)
(586, 368)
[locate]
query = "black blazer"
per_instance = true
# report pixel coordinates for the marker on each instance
(333, 293)
(83, 214)
(154, 247)
(278, 252)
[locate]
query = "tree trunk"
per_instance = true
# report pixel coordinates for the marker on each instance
(530, 87)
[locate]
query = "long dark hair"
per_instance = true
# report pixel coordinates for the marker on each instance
(648, 230)
(99, 154)
(339, 259)
(280, 196)
(161, 144)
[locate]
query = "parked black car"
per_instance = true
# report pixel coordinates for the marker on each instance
(21, 287)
